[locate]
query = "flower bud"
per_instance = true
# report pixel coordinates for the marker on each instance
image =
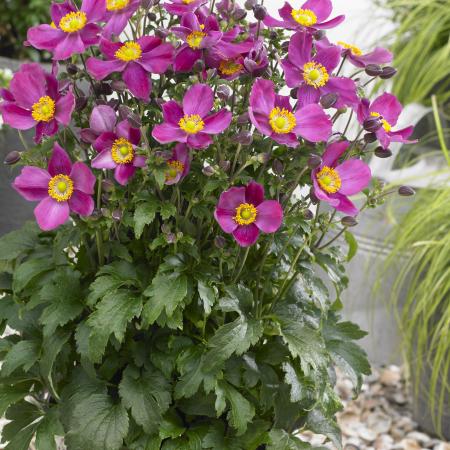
(249, 4)
(80, 103)
(225, 165)
(161, 33)
(118, 86)
(319, 35)
(314, 161)
(374, 70)
(239, 14)
(208, 171)
(147, 4)
(199, 66)
(372, 124)
(381, 152)
(406, 191)
(224, 92)
(244, 138)
(285, 46)
(152, 16)
(260, 12)
(278, 167)
(273, 35)
(114, 103)
(349, 221)
(117, 215)
(263, 158)
(388, 72)
(72, 69)
(328, 100)
(294, 93)
(12, 158)
(312, 197)
(220, 242)
(243, 119)
(107, 185)
(370, 137)
(308, 214)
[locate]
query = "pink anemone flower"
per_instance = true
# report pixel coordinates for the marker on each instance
(312, 75)
(135, 59)
(34, 100)
(116, 144)
(191, 122)
(359, 59)
(178, 165)
(61, 189)
(118, 12)
(387, 109)
(180, 7)
(311, 15)
(72, 30)
(334, 182)
(273, 116)
(243, 212)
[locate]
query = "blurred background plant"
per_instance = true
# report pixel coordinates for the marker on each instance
(16, 16)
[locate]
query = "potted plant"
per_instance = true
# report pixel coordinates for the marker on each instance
(168, 296)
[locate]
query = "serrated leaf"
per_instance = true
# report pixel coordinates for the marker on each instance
(282, 440)
(22, 355)
(112, 316)
(19, 241)
(148, 396)
(49, 427)
(28, 270)
(144, 215)
(165, 293)
(320, 424)
(101, 424)
(12, 394)
(147, 443)
(291, 377)
(100, 287)
(168, 210)
(352, 245)
(208, 295)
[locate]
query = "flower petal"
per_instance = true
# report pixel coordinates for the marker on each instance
(307, 95)
(254, 193)
(123, 173)
(64, 108)
(198, 99)
(81, 203)
(105, 141)
(103, 161)
(199, 141)
(321, 8)
(246, 235)
(346, 90)
(330, 23)
(329, 57)
(17, 117)
(158, 59)
(355, 176)
(59, 162)
(225, 218)
(232, 198)
(333, 152)
(300, 48)
(50, 214)
(269, 217)
(165, 133)
(32, 183)
(218, 122)
(172, 112)
(313, 124)
(103, 119)
(261, 122)
(82, 177)
(137, 81)
(69, 45)
(262, 97)
(45, 37)
(100, 69)
(388, 106)
(185, 58)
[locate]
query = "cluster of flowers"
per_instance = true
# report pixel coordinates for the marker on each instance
(37, 99)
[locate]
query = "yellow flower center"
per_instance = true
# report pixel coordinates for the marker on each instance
(43, 110)
(116, 5)
(355, 50)
(74, 21)
(329, 180)
(304, 17)
(245, 214)
(130, 51)
(174, 168)
(53, 25)
(192, 123)
(282, 121)
(60, 187)
(188, 2)
(195, 39)
(122, 151)
(229, 67)
(315, 74)
(385, 124)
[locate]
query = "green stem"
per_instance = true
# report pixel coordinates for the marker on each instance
(244, 259)
(334, 239)
(98, 235)
(22, 139)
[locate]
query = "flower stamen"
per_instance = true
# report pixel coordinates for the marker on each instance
(229, 67)
(282, 121)
(194, 40)
(122, 151)
(130, 51)
(304, 17)
(353, 48)
(245, 214)
(72, 22)
(329, 180)
(385, 124)
(192, 123)
(116, 5)
(60, 187)
(174, 168)
(44, 109)
(315, 74)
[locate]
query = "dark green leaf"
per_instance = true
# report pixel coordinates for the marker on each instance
(22, 355)
(144, 215)
(352, 245)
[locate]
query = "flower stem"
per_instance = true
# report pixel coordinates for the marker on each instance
(244, 259)
(98, 235)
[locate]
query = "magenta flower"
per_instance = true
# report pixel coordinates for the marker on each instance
(115, 143)
(243, 212)
(334, 182)
(72, 30)
(34, 100)
(135, 59)
(204, 39)
(118, 12)
(312, 75)
(178, 165)
(359, 59)
(387, 109)
(273, 116)
(190, 122)
(180, 7)
(311, 15)
(60, 189)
